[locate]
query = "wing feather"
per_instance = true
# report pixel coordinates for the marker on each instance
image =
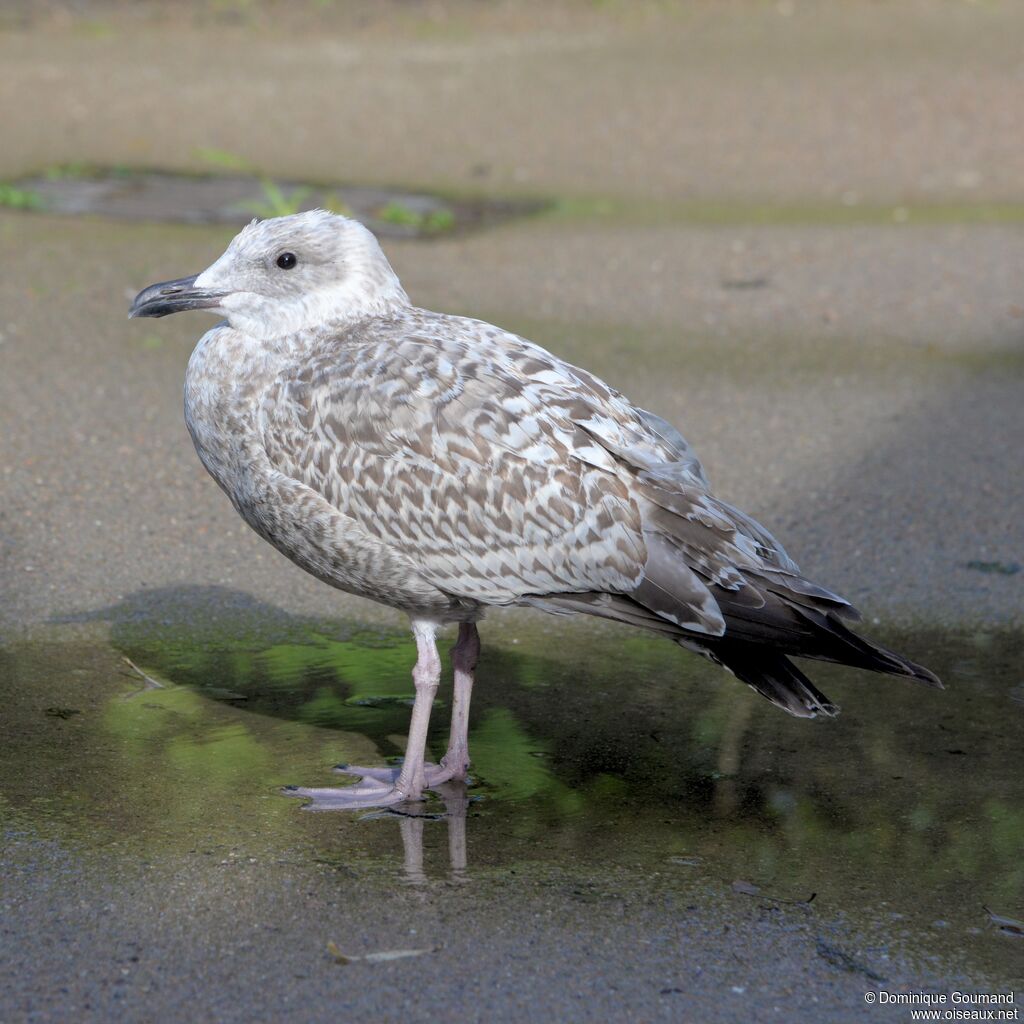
(473, 471)
(503, 473)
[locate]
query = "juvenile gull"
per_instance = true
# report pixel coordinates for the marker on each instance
(439, 465)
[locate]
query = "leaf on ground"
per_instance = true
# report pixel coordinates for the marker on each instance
(375, 958)
(1007, 925)
(332, 948)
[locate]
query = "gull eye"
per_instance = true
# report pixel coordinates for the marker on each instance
(286, 260)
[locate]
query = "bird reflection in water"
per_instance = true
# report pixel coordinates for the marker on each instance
(412, 820)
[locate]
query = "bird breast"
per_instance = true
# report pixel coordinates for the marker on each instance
(225, 376)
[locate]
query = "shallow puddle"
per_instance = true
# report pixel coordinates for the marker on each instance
(604, 754)
(126, 193)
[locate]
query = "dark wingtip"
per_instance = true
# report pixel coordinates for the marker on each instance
(925, 675)
(897, 665)
(860, 652)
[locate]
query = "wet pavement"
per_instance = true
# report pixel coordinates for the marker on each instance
(641, 833)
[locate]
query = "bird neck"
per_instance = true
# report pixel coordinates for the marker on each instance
(335, 305)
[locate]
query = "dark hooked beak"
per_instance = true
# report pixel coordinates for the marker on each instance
(173, 297)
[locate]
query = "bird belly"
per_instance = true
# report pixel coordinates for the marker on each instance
(331, 546)
(309, 531)
(222, 388)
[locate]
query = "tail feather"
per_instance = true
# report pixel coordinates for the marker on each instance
(776, 678)
(793, 625)
(758, 642)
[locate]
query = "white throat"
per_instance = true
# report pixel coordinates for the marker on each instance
(344, 301)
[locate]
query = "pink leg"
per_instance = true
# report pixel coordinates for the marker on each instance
(425, 675)
(464, 658)
(379, 788)
(455, 763)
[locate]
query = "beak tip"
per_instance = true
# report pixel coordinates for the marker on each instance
(171, 297)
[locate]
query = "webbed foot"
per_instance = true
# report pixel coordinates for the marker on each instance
(377, 787)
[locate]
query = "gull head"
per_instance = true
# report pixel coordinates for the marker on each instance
(285, 275)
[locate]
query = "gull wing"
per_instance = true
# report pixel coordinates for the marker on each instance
(503, 475)
(500, 472)
(427, 437)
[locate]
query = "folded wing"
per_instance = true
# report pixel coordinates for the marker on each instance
(505, 475)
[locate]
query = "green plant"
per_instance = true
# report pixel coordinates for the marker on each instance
(439, 220)
(398, 213)
(275, 203)
(19, 198)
